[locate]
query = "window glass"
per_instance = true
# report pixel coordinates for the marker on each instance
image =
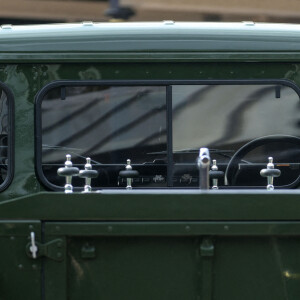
(109, 125)
(225, 118)
(242, 125)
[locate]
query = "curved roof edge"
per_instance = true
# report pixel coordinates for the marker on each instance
(150, 40)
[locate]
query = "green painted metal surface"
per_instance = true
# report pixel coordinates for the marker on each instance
(146, 260)
(26, 80)
(178, 228)
(20, 275)
(152, 244)
(160, 206)
(150, 41)
(152, 249)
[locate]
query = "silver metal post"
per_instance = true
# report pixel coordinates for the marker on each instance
(88, 180)
(33, 248)
(68, 185)
(88, 174)
(129, 180)
(68, 171)
(270, 172)
(270, 165)
(215, 180)
(203, 165)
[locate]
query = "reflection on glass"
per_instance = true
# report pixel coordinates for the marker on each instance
(108, 124)
(226, 117)
(111, 124)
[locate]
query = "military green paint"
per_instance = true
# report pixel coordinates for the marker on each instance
(175, 266)
(55, 276)
(134, 268)
(207, 250)
(153, 57)
(256, 268)
(26, 80)
(147, 245)
(20, 275)
(53, 250)
(149, 41)
(238, 206)
(175, 228)
(19, 228)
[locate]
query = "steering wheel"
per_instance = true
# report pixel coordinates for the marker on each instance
(232, 166)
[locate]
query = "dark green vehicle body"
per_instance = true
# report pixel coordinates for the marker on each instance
(145, 243)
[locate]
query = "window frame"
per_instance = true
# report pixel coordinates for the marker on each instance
(169, 124)
(10, 137)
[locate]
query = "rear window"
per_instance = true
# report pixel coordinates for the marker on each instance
(160, 127)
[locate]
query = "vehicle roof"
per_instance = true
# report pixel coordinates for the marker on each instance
(108, 40)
